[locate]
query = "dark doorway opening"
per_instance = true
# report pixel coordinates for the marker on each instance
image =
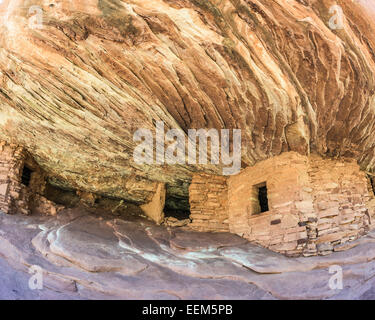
(26, 176)
(263, 199)
(372, 183)
(176, 207)
(176, 213)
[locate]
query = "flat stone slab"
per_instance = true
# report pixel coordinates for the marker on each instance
(262, 260)
(90, 256)
(91, 245)
(199, 241)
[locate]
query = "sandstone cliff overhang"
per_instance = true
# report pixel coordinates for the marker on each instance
(74, 90)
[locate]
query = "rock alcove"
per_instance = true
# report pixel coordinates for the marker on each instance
(76, 88)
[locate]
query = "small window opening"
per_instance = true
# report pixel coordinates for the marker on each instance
(261, 199)
(26, 176)
(372, 183)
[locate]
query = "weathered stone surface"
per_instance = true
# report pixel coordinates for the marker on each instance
(173, 222)
(85, 254)
(93, 248)
(74, 91)
(155, 208)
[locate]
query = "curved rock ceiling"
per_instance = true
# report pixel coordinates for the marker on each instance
(75, 90)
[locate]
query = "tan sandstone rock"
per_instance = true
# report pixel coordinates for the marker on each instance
(155, 208)
(74, 91)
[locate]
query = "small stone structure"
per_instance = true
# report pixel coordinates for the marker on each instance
(208, 196)
(23, 187)
(155, 208)
(314, 205)
(22, 183)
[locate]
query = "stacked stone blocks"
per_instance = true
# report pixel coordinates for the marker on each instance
(316, 205)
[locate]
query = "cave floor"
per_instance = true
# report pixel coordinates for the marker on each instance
(86, 254)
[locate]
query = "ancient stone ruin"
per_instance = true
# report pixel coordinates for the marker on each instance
(22, 183)
(76, 88)
(291, 203)
(286, 86)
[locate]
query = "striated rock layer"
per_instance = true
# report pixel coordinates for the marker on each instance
(75, 90)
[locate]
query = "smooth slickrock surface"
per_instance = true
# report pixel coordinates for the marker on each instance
(94, 255)
(74, 91)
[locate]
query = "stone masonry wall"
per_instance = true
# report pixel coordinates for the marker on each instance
(316, 205)
(340, 192)
(14, 196)
(287, 183)
(209, 203)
